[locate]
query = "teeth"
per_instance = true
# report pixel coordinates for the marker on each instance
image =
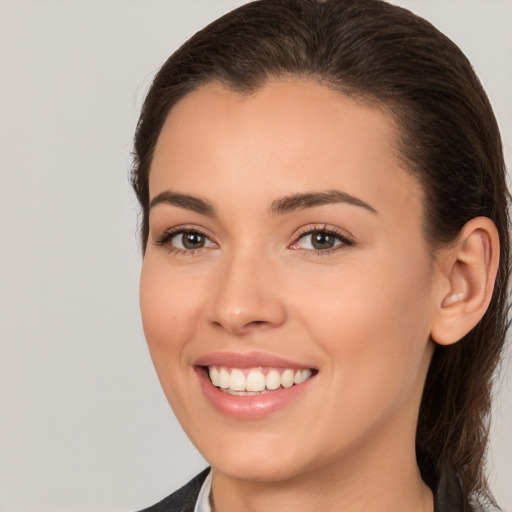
(237, 380)
(224, 378)
(215, 376)
(287, 378)
(301, 376)
(273, 380)
(253, 381)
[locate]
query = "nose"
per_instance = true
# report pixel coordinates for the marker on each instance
(246, 296)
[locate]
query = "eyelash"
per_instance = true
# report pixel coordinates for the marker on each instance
(344, 238)
(167, 236)
(346, 241)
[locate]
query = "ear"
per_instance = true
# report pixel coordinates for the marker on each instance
(468, 271)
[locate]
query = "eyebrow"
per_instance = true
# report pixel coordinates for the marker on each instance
(308, 200)
(186, 201)
(279, 206)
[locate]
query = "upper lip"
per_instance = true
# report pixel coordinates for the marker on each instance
(247, 360)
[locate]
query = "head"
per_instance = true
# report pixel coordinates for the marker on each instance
(385, 59)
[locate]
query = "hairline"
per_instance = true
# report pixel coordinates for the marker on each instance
(391, 109)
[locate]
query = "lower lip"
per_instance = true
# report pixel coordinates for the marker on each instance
(249, 407)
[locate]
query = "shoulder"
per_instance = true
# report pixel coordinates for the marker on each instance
(182, 500)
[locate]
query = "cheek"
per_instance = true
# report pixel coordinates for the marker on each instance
(383, 295)
(373, 325)
(170, 309)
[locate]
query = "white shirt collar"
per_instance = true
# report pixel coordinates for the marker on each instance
(203, 500)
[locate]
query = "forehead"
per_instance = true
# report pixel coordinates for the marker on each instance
(292, 136)
(294, 110)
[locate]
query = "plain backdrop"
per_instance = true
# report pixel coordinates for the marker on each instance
(84, 426)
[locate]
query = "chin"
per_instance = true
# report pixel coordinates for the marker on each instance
(258, 461)
(270, 471)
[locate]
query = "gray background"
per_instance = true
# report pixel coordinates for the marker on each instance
(84, 425)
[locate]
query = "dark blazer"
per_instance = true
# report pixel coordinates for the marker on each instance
(182, 500)
(447, 496)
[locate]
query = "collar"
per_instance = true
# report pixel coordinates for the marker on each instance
(203, 499)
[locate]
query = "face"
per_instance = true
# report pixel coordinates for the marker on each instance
(286, 263)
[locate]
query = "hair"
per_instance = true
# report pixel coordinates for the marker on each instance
(448, 139)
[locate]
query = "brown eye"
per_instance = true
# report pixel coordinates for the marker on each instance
(185, 241)
(321, 240)
(191, 240)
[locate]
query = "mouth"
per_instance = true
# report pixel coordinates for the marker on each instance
(253, 385)
(256, 381)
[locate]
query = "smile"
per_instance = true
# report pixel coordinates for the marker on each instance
(253, 385)
(254, 381)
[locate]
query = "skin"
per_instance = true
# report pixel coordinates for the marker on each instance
(360, 314)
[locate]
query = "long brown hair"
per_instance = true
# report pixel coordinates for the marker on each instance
(385, 55)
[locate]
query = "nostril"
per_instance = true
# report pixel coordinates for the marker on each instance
(240, 312)
(255, 323)
(241, 328)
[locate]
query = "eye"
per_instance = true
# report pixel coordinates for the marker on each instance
(321, 240)
(189, 240)
(185, 241)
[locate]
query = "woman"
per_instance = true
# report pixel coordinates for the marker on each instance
(325, 236)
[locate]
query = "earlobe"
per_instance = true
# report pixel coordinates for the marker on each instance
(469, 271)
